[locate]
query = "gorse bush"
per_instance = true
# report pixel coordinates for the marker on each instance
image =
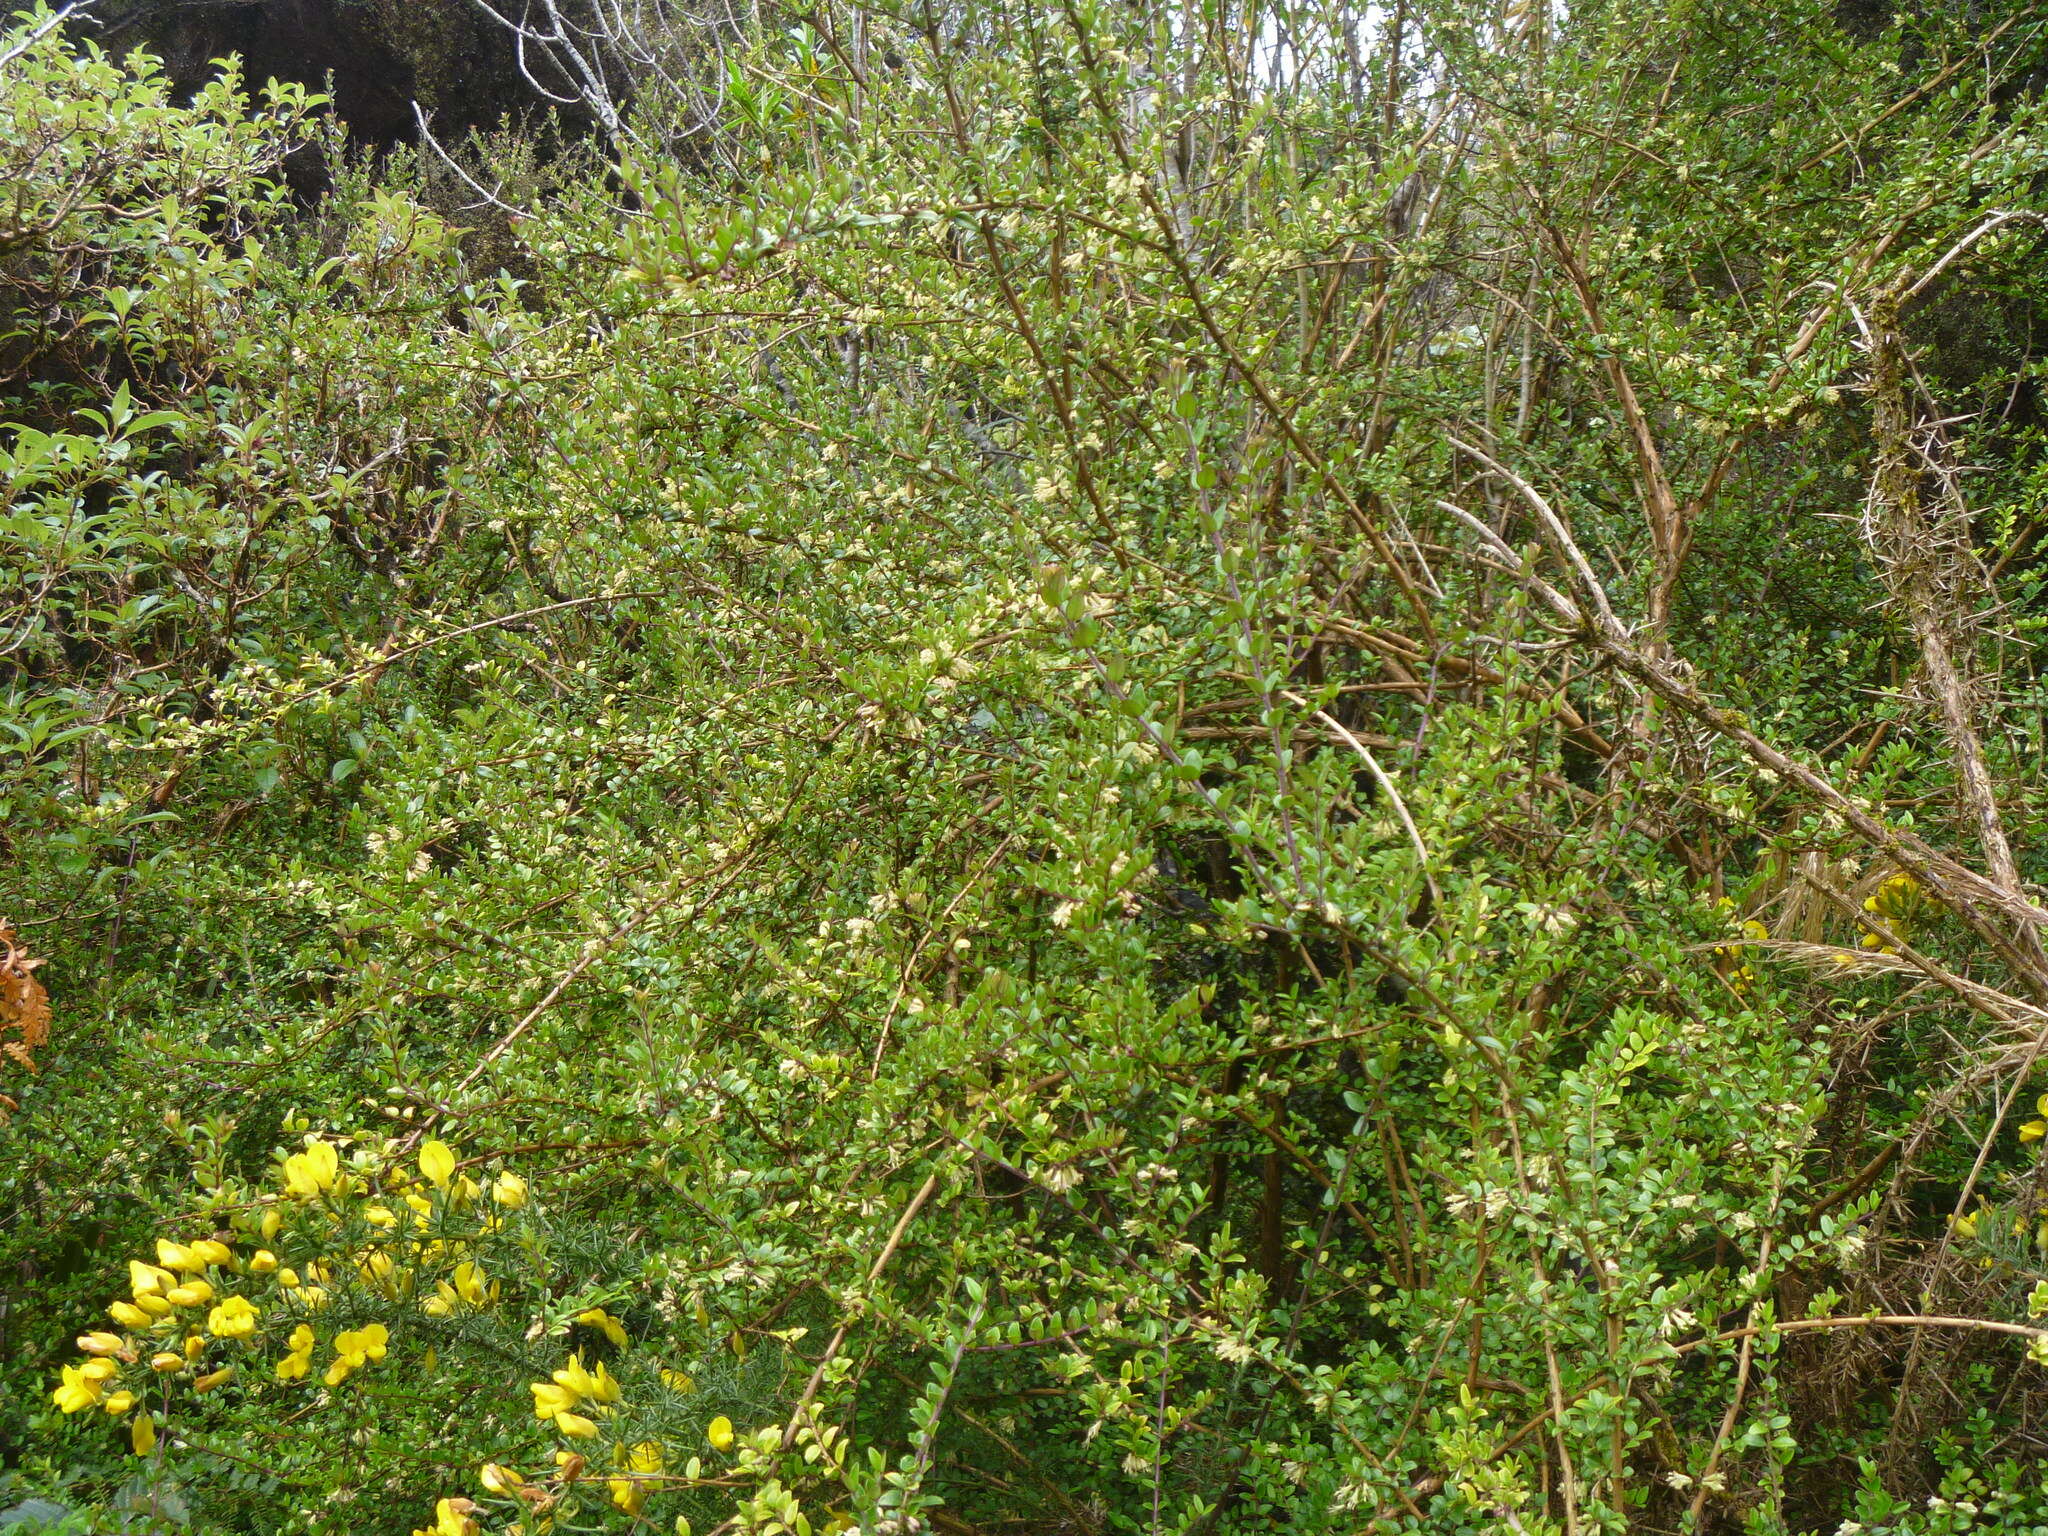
(1072, 768)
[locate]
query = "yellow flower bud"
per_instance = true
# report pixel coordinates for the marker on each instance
(178, 1257)
(288, 1278)
(262, 1262)
(509, 1190)
(719, 1433)
(211, 1252)
(102, 1344)
(142, 1434)
(128, 1315)
(119, 1403)
(213, 1379)
(273, 1218)
(576, 1426)
(153, 1305)
(166, 1362)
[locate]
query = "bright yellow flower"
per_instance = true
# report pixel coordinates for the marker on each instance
(177, 1256)
(605, 1323)
(369, 1341)
(119, 1403)
(210, 1252)
(142, 1434)
(679, 1381)
(153, 1305)
(420, 1204)
(288, 1278)
(603, 1388)
(469, 1283)
(497, 1479)
(262, 1262)
(576, 1425)
(2033, 1130)
(232, 1319)
(311, 1173)
(451, 1518)
(719, 1433)
(166, 1362)
(550, 1400)
(354, 1349)
(78, 1391)
(193, 1293)
(630, 1493)
(273, 1218)
(575, 1379)
(128, 1315)
(509, 1190)
(102, 1344)
(437, 1163)
(379, 1216)
(145, 1279)
(213, 1379)
(195, 1346)
(294, 1365)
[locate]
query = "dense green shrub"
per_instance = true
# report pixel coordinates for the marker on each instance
(1138, 770)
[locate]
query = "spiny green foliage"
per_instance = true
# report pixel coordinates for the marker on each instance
(978, 734)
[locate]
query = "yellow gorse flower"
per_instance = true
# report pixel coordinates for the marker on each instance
(82, 1385)
(312, 1173)
(605, 1323)
(451, 1518)
(551, 1401)
(437, 1163)
(719, 1433)
(147, 1279)
(2037, 1128)
(630, 1493)
(299, 1359)
(499, 1480)
(354, 1349)
(178, 1257)
(234, 1318)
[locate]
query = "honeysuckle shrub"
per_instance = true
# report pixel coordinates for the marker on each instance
(1102, 769)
